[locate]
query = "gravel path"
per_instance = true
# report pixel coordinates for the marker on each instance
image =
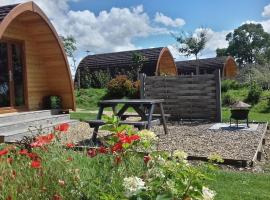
(196, 140)
(199, 141)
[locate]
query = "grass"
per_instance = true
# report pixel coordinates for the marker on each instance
(89, 98)
(253, 116)
(240, 185)
(258, 113)
(82, 116)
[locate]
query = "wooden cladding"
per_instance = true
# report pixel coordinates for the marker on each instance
(186, 97)
(47, 69)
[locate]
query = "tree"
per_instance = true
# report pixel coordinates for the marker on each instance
(192, 44)
(137, 64)
(70, 49)
(249, 43)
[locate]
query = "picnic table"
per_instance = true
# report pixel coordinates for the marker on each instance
(144, 109)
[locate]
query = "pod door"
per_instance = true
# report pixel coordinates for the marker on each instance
(12, 76)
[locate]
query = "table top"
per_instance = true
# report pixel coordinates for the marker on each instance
(131, 101)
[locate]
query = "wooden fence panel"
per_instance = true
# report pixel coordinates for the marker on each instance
(186, 97)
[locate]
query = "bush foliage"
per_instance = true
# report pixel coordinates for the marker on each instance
(121, 87)
(254, 93)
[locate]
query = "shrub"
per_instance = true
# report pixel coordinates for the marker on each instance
(228, 99)
(229, 85)
(254, 93)
(121, 86)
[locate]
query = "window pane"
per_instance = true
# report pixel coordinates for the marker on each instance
(18, 74)
(4, 77)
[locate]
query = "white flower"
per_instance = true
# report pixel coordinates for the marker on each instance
(133, 185)
(208, 194)
(161, 160)
(147, 135)
(180, 156)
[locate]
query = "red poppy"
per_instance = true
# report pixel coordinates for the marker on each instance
(117, 160)
(43, 140)
(9, 198)
(62, 127)
(33, 156)
(134, 137)
(102, 149)
(127, 139)
(69, 159)
(36, 164)
(3, 152)
(10, 160)
(92, 153)
(70, 145)
(23, 152)
(146, 159)
(117, 147)
(57, 197)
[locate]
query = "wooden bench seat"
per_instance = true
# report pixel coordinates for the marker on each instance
(124, 117)
(137, 124)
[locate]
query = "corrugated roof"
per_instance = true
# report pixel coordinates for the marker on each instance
(119, 59)
(4, 10)
(207, 63)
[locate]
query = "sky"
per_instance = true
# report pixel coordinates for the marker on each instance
(101, 26)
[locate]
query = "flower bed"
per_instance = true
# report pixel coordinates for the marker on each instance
(41, 168)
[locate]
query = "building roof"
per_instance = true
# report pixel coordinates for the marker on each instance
(119, 59)
(4, 10)
(207, 63)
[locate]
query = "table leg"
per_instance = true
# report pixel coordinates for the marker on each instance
(150, 116)
(140, 112)
(122, 110)
(163, 118)
(95, 132)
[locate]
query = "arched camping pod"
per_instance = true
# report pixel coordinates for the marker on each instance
(157, 61)
(33, 63)
(227, 65)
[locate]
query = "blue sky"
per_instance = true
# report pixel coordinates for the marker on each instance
(117, 25)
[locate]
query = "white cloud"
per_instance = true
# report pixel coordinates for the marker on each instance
(108, 31)
(167, 21)
(266, 11)
(264, 23)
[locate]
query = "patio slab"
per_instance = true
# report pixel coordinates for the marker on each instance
(233, 127)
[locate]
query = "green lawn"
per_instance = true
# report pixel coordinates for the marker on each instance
(82, 116)
(240, 185)
(256, 116)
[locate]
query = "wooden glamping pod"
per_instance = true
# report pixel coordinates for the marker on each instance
(33, 63)
(157, 61)
(227, 65)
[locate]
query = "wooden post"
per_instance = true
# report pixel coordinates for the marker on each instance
(142, 85)
(218, 96)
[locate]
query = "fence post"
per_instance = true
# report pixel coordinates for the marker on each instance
(142, 85)
(218, 96)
